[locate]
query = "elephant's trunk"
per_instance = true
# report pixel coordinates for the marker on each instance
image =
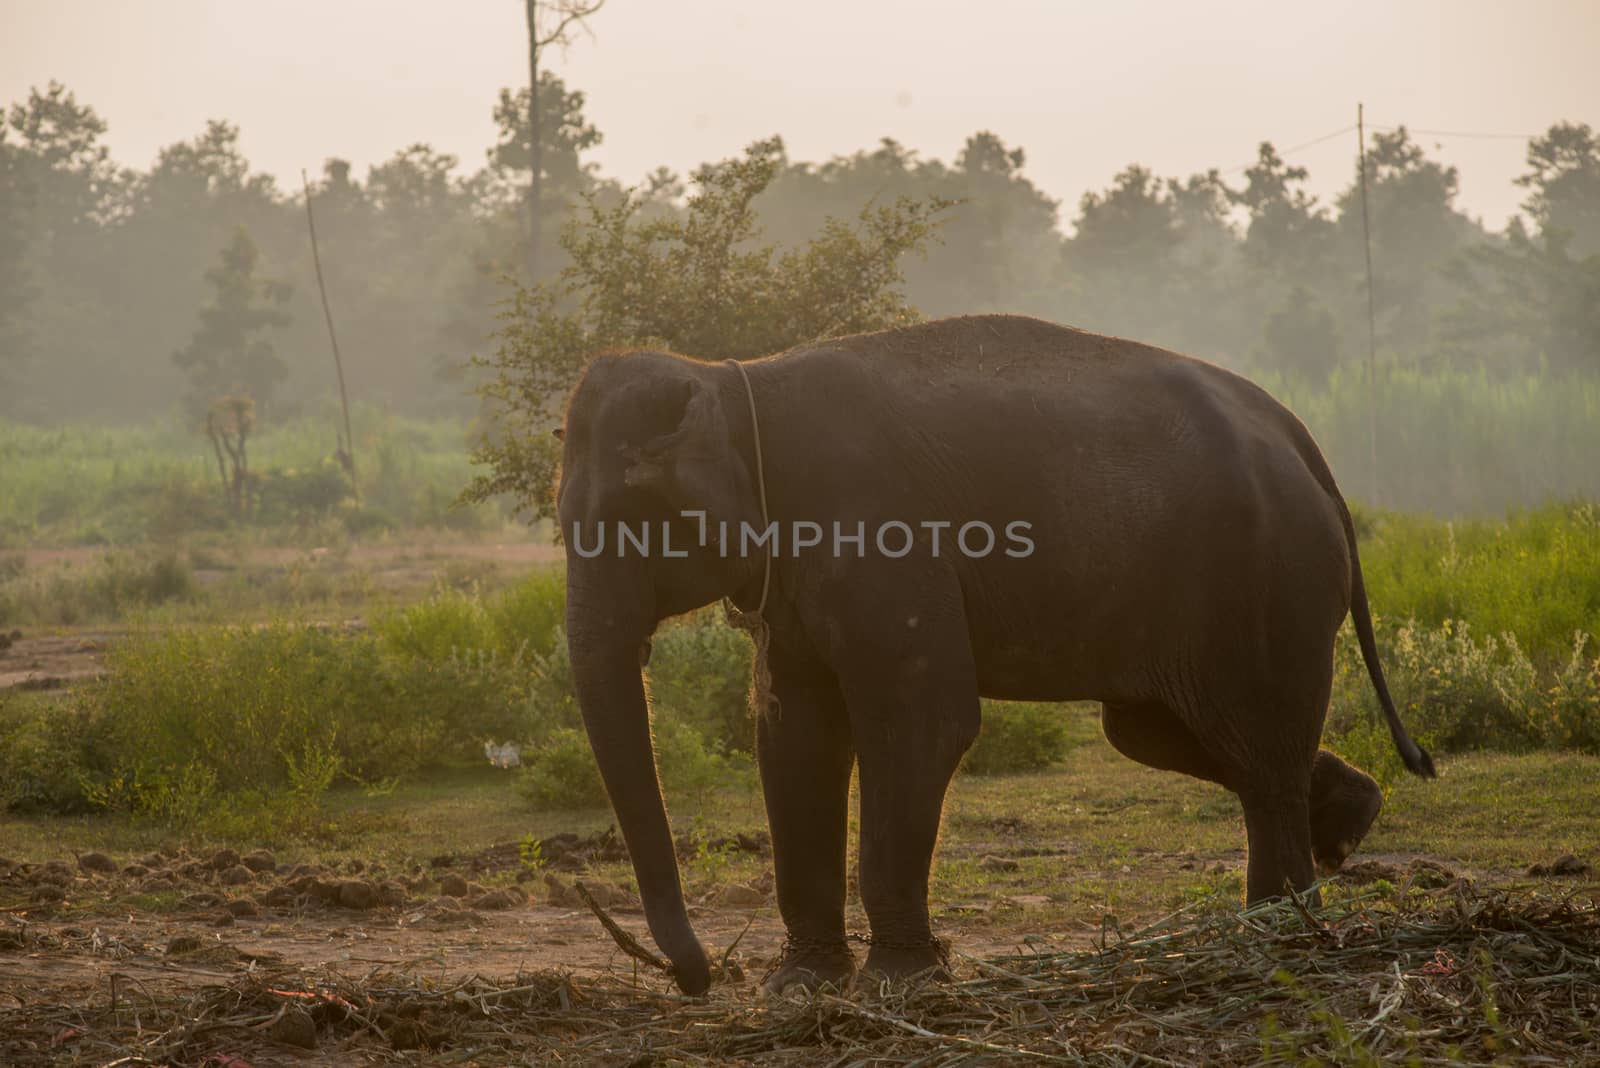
(605, 651)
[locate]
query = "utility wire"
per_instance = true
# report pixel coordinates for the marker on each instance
(1459, 133)
(1287, 152)
(1476, 135)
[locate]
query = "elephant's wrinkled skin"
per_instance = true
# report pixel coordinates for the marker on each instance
(1193, 561)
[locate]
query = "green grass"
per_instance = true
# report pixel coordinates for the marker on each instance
(1086, 821)
(1534, 574)
(82, 485)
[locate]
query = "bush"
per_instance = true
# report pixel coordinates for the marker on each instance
(1456, 692)
(107, 589)
(186, 715)
(48, 752)
(299, 494)
(520, 622)
(1018, 736)
(561, 773)
(700, 674)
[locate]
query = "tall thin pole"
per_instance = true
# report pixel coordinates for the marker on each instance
(349, 449)
(1372, 319)
(535, 145)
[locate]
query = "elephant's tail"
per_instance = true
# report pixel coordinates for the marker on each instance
(1416, 758)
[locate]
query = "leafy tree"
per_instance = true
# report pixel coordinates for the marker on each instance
(1564, 182)
(16, 286)
(699, 283)
(999, 247)
(1302, 338)
(231, 351)
(1525, 304)
(564, 135)
(1416, 232)
(1287, 233)
(550, 22)
(58, 190)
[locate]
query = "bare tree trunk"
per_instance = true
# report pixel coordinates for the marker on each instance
(535, 154)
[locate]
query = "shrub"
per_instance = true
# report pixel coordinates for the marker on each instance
(296, 494)
(113, 585)
(47, 752)
(700, 674)
(561, 773)
(1574, 701)
(271, 709)
(529, 615)
(516, 623)
(1018, 736)
(1456, 692)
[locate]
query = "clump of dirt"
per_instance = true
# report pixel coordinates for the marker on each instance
(1565, 865)
(219, 880)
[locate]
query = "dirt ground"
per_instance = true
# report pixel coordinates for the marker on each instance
(176, 922)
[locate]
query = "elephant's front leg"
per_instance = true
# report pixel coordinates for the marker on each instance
(805, 758)
(913, 715)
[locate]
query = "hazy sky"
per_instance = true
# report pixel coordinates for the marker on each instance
(1084, 87)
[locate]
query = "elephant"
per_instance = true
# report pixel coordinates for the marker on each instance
(1164, 538)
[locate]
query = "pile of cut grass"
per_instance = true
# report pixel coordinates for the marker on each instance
(1460, 975)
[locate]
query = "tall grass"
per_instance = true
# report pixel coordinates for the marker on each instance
(1534, 574)
(1455, 443)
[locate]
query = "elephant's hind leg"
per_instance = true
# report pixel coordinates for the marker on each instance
(1152, 734)
(1264, 768)
(1344, 803)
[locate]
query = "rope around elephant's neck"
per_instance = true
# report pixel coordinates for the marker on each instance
(761, 480)
(754, 623)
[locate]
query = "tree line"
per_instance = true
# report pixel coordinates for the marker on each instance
(129, 294)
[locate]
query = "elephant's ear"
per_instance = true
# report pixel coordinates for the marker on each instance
(663, 463)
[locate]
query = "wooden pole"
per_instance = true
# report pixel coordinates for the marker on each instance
(535, 146)
(1372, 320)
(349, 449)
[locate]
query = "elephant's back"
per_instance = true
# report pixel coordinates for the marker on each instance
(964, 346)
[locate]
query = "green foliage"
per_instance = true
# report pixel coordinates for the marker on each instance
(1301, 337)
(1454, 442)
(231, 350)
(698, 283)
(1018, 736)
(1534, 574)
(561, 773)
(109, 588)
(281, 710)
(96, 485)
(1456, 692)
(522, 622)
(700, 674)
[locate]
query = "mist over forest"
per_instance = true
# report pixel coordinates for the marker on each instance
(120, 286)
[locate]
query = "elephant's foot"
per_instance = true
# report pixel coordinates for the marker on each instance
(904, 960)
(1344, 804)
(809, 964)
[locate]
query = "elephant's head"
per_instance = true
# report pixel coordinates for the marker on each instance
(647, 437)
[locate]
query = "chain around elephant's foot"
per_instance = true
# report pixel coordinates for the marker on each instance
(810, 963)
(926, 958)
